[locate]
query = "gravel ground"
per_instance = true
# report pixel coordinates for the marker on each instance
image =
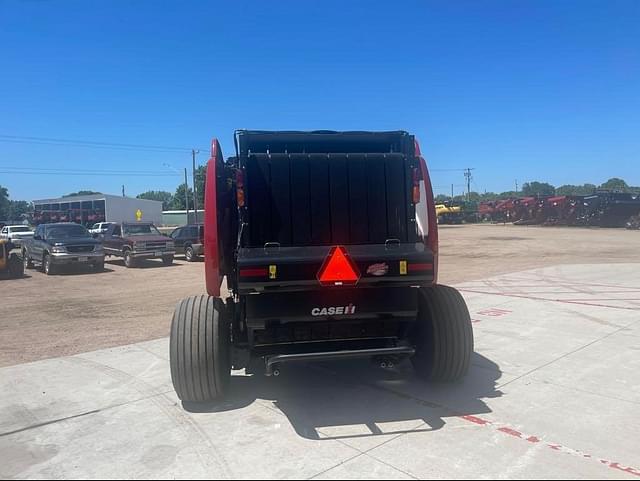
(79, 311)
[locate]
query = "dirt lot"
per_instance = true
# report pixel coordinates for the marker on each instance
(79, 311)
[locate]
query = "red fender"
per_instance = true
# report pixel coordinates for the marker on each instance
(211, 248)
(432, 236)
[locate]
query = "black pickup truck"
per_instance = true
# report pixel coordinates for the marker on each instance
(138, 240)
(56, 245)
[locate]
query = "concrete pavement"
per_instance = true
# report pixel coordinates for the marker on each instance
(554, 391)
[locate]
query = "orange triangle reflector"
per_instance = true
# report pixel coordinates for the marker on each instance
(338, 268)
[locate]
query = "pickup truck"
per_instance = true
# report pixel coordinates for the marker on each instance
(138, 240)
(56, 245)
(15, 233)
(100, 228)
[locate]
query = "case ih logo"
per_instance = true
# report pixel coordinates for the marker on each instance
(333, 311)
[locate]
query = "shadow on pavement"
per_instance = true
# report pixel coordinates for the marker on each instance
(146, 264)
(355, 399)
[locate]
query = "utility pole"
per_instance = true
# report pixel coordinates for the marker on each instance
(467, 174)
(516, 186)
(195, 185)
(123, 190)
(186, 194)
(452, 196)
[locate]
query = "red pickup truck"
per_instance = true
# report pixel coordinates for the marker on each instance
(135, 241)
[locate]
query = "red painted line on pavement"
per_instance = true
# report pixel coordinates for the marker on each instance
(555, 447)
(502, 428)
(600, 300)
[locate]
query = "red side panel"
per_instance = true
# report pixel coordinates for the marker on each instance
(432, 236)
(211, 248)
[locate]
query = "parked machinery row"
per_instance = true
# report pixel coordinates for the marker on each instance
(603, 209)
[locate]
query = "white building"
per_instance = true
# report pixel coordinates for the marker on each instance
(89, 209)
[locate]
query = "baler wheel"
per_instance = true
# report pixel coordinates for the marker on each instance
(200, 349)
(443, 336)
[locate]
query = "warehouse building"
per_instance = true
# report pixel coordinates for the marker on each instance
(89, 209)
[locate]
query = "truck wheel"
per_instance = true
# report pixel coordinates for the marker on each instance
(16, 267)
(129, 261)
(442, 335)
(167, 261)
(188, 254)
(200, 349)
(47, 266)
(26, 261)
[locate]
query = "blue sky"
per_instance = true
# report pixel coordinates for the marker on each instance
(527, 90)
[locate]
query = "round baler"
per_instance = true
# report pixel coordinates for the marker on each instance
(328, 242)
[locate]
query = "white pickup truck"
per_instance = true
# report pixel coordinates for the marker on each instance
(100, 228)
(16, 233)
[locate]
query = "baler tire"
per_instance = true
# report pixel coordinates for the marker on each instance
(200, 354)
(442, 335)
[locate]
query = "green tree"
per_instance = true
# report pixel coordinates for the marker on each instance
(82, 192)
(569, 189)
(615, 184)
(179, 198)
(19, 208)
(201, 176)
(509, 194)
(538, 188)
(4, 203)
(160, 195)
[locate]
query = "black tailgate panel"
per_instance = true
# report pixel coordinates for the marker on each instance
(327, 199)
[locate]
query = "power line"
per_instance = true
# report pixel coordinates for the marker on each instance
(90, 144)
(87, 171)
(447, 170)
(87, 174)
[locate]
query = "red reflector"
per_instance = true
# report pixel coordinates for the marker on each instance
(338, 269)
(420, 267)
(254, 272)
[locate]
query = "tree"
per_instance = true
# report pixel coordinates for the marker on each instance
(615, 184)
(586, 189)
(160, 195)
(538, 188)
(178, 198)
(4, 203)
(201, 176)
(509, 194)
(19, 208)
(81, 192)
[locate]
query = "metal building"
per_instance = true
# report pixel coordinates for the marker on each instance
(89, 209)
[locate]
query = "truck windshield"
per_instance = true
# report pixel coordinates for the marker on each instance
(142, 229)
(67, 232)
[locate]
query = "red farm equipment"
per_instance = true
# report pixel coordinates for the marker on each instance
(328, 242)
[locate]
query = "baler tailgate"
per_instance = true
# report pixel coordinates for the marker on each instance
(325, 199)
